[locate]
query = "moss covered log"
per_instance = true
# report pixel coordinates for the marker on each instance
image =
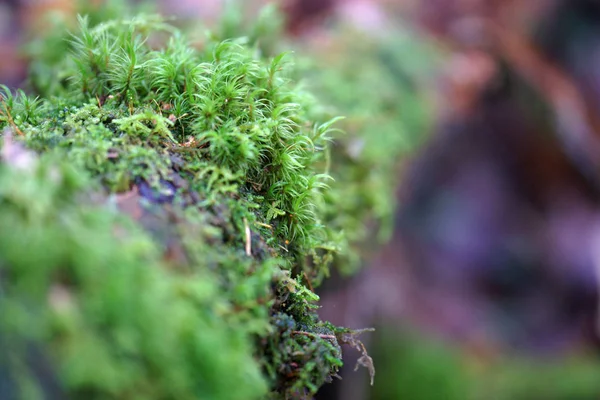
(161, 214)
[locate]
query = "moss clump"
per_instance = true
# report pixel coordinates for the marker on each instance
(88, 289)
(176, 193)
(387, 114)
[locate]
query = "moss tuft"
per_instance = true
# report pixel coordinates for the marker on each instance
(175, 191)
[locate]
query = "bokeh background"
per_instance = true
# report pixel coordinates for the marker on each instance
(476, 124)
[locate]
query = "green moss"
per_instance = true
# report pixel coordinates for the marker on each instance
(89, 287)
(176, 191)
(380, 83)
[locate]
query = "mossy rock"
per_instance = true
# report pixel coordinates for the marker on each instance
(161, 207)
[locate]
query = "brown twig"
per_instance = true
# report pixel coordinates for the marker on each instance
(248, 238)
(11, 122)
(308, 281)
(314, 335)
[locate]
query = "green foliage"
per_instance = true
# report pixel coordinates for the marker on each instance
(380, 83)
(115, 322)
(214, 155)
(18, 109)
(241, 118)
(302, 357)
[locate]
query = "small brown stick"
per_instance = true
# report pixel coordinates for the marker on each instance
(308, 282)
(248, 238)
(314, 335)
(12, 123)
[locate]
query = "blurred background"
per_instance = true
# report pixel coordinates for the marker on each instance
(473, 129)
